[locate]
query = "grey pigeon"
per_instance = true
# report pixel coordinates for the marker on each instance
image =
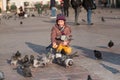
(21, 22)
(110, 44)
(18, 55)
(0, 20)
(25, 60)
(2, 76)
(97, 54)
(68, 62)
(89, 77)
(32, 59)
(83, 20)
(32, 15)
(102, 19)
(26, 71)
(110, 11)
(15, 58)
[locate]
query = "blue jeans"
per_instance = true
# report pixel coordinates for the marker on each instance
(89, 13)
(53, 11)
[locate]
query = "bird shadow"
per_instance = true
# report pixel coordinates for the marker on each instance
(37, 48)
(102, 47)
(87, 52)
(111, 57)
(111, 69)
(107, 56)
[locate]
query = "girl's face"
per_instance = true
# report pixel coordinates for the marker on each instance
(61, 23)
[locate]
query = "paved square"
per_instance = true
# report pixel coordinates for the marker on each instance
(34, 35)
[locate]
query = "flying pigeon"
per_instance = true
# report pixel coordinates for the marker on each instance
(110, 44)
(97, 54)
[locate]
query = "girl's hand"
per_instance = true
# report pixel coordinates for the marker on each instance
(54, 45)
(65, 43)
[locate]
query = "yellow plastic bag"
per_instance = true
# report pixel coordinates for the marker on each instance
(67, 49)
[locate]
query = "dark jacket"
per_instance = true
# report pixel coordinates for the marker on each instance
(88, 4)
(66, 3)
(52, 3)
(76, 3)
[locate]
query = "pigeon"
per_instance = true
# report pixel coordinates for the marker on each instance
(0, 20)
(21, 22)
(26, 71)
(83, 20)
(36, 63)
(97, 54)
(32, 15)
(110, 11)
(44, 61)
(110, 44)
(18, 55)
(2, 76)
(102, 19)
(32, 59)
(99, 12)
(68, 62)
(25, 60)
(14, 60)
(89, 77)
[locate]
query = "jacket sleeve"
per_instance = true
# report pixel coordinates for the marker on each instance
(68, 33)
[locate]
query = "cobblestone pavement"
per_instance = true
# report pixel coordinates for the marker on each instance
(34, 35)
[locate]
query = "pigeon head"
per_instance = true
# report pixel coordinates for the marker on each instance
(70, 63)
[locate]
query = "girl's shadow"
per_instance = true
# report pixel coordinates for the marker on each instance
(37, 48)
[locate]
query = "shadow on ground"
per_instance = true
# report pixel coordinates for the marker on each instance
(111, 57)
(111, 69)
(37, 48)
(87, 52)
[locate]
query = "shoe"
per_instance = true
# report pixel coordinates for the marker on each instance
(90, 24)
